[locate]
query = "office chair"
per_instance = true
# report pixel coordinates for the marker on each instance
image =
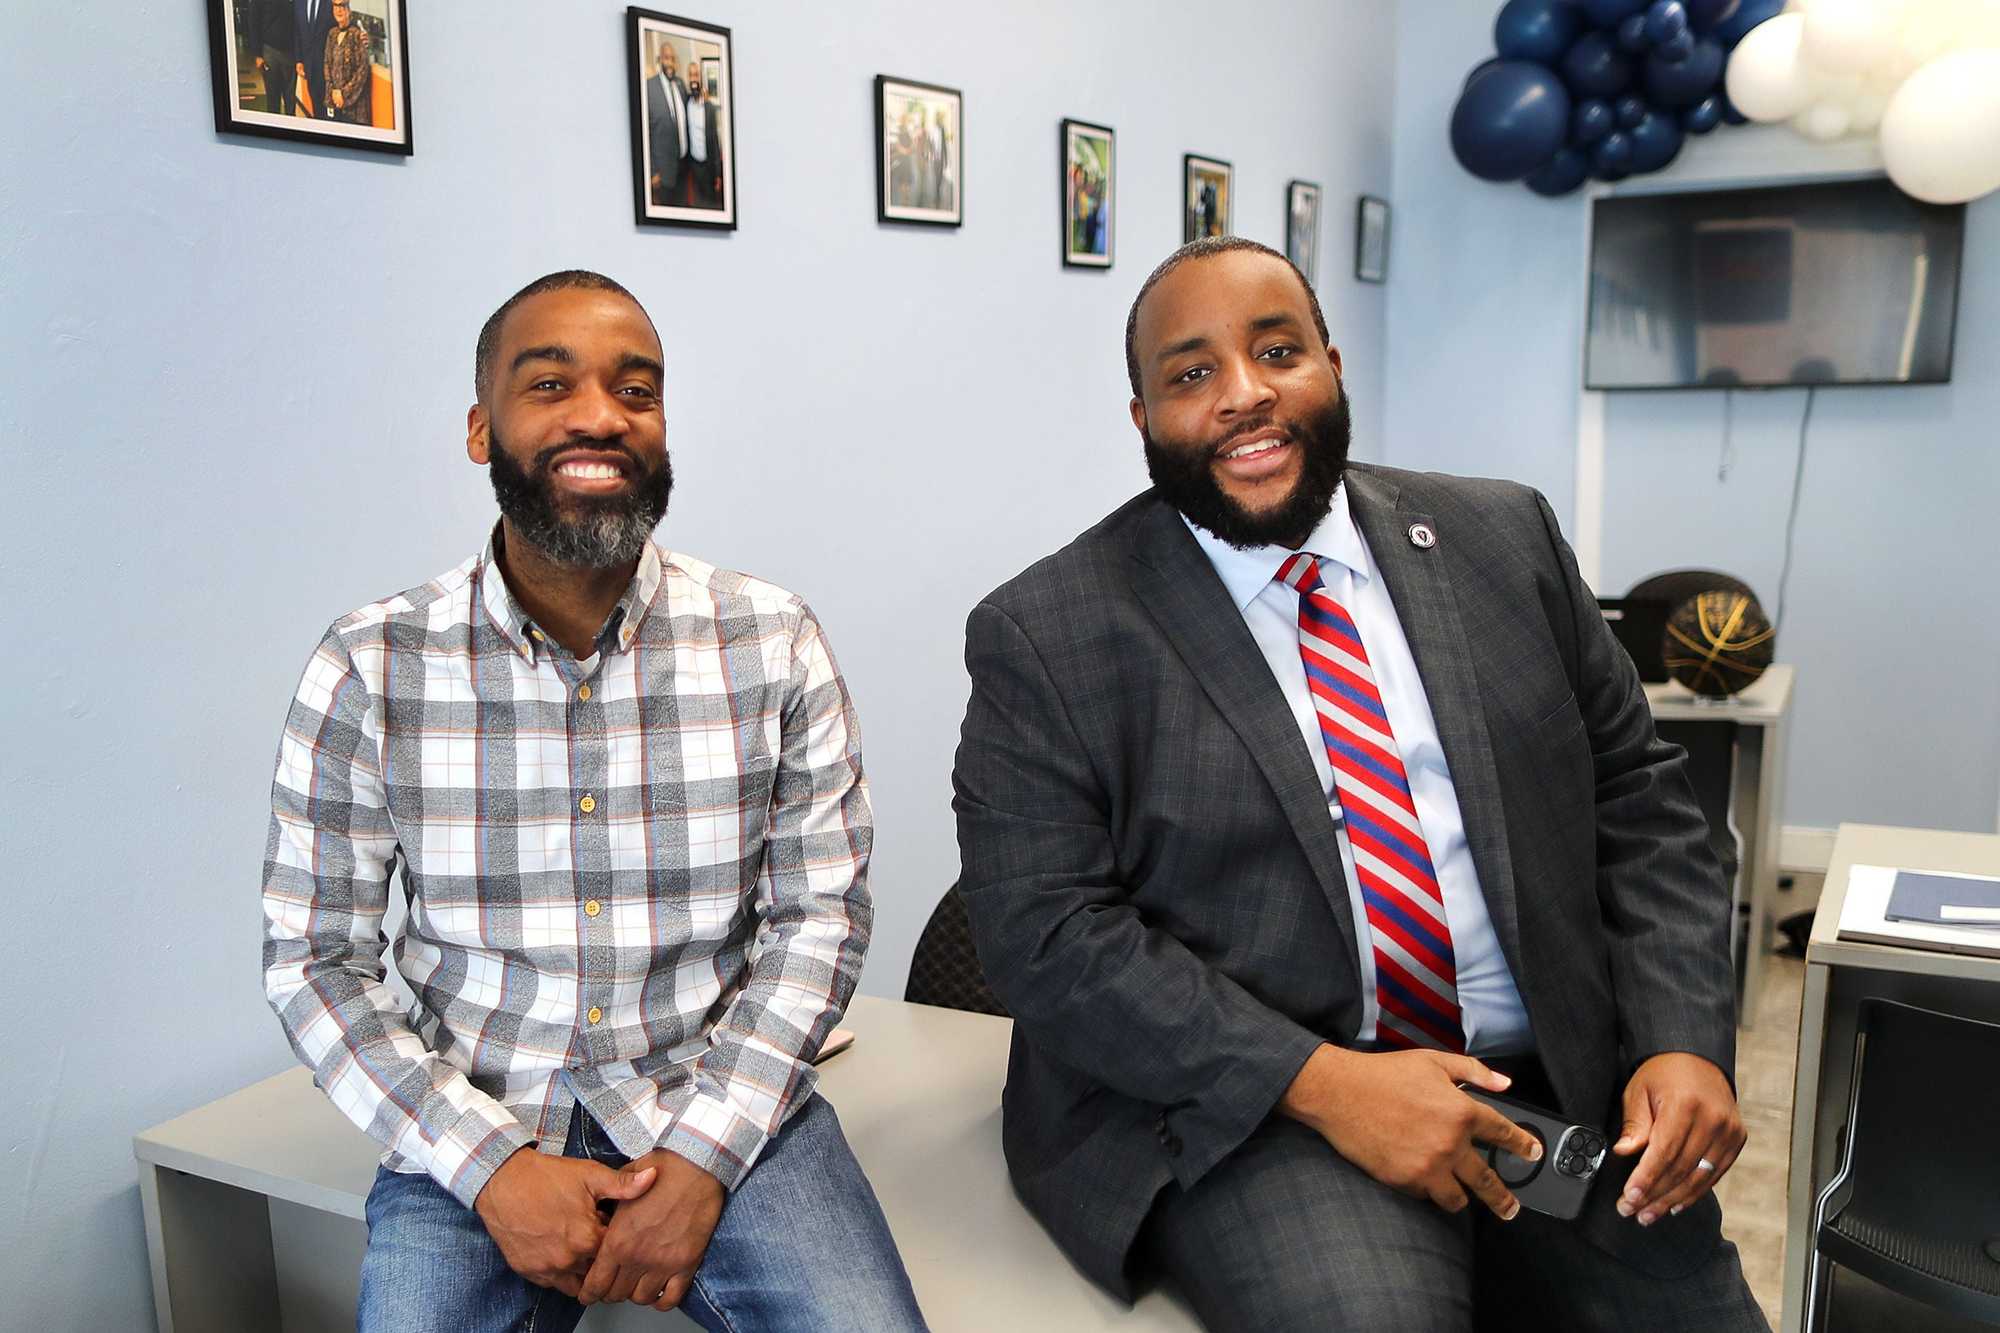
(1675, 586)
(945, 969)
(1915, 1205)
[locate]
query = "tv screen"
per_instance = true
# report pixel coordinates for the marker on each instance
(1849, 283)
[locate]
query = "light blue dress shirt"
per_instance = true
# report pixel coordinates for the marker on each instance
(1495, 1021)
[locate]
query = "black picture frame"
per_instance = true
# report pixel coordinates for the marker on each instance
(1068, 135)
(1197, 215)
(947, 183)
(229, 51)
(705, 196)
(1371, 239)
(1302, 200)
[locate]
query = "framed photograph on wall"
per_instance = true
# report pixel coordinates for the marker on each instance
(1302, 228)
(1208, 194)
(919, 152)
(1371, 239)
(1089, 187)
(683, 81)
(313, 71)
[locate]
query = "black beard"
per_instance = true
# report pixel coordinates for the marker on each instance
(1184, 472)
(580, 532)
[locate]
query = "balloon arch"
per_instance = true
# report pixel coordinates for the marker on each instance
(1605, 89)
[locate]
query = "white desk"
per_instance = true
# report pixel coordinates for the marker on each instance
(254, 1203)
(1756, 796)
(1839, 975)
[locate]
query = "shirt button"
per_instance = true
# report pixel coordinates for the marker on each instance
(594, 1014)
(583, 693)
(593, 907)
(587, 804)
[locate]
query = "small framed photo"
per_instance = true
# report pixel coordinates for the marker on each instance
(1089, 185)
(1302, 228)
(919, 152)
(1371, 239)
(1208, 191)
(313, 71)
(683, 77)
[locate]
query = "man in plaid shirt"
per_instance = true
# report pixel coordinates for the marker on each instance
(623, 790)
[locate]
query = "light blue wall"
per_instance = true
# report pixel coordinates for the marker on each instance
(1485, 285)
(1893, 614)
(233, 379)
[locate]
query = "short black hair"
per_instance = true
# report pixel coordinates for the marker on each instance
(1206, 248)
(568, 279)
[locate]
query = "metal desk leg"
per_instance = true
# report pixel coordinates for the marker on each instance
(210, 1247)
(1802, 1183)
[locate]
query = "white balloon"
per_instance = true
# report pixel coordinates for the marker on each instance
(1941, 132)
(1823, 122)
(1767, 79)
(1866, 111)
(1849, 36)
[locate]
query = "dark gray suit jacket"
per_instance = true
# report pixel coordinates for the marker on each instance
(1154, 882)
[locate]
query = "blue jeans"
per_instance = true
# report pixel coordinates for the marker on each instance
(802, 1244)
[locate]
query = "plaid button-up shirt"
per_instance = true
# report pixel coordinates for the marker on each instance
(636, 882)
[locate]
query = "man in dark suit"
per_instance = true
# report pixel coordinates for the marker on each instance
(312, 20)
(666, 128)
(1294, 795)
(269, 41)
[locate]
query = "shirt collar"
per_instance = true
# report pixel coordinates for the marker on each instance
(621, 627)
(1247, 573)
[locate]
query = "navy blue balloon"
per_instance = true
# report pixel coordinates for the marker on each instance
(1509, 120)
(1477, 70)
(1674, 84)
(1629, 109)
(1705, 14)
(1610, 13)
(1564, 172)
(1676, 49)
(1590, 121)
(1612, 153)
(1749, 13)
(1536, 29)
(1666, 20)
(1632, 38)
(1594, 66)
(1730, 115)
(1656, 141)
(1703, 116)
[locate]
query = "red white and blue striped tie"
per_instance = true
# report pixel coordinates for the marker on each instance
(1416, 974)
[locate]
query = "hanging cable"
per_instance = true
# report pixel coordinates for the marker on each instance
(1792, 516)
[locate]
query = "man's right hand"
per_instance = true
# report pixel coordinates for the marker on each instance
(542, 1213)
(1400, 1116)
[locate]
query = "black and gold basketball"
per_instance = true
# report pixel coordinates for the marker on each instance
(1718, 643)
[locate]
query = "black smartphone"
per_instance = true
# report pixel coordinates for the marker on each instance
(1558, 1183)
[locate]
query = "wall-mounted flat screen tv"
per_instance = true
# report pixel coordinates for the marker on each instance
(1846, 283)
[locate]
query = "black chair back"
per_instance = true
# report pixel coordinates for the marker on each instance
(945, 969)
(1916, 1205)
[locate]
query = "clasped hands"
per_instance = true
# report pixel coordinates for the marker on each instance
(546, 1215)
(1401, 1117)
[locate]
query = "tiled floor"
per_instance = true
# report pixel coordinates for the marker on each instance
(1753, 1193)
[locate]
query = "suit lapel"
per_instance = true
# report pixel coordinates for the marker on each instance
(1180, 589)
(1428, 611)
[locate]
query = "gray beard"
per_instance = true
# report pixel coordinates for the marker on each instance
(599, 534)
(595, 541)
